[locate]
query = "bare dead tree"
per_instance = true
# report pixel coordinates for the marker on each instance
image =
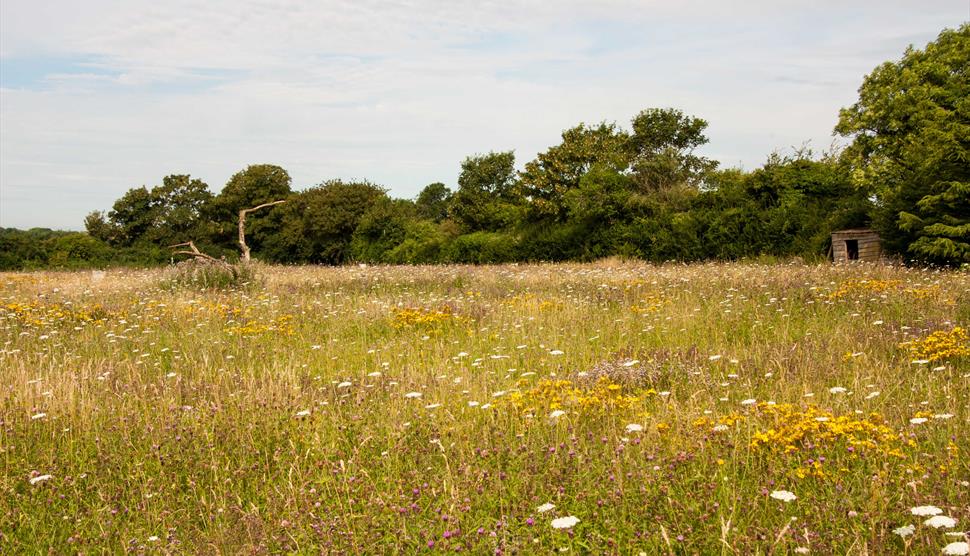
(193, 251)
(242, 227)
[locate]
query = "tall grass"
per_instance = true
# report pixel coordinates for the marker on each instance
(407, 409)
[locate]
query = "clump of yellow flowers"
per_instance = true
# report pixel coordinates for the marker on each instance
(793, 429)
(940, 345)
(417, 317)
(549, 395)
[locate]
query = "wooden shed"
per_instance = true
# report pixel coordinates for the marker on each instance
(856, 245)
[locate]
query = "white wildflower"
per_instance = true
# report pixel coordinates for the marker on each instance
(938, 521)
(959, 548)
(925, 510)
(905, 530)
(783, 495)
(565, 522)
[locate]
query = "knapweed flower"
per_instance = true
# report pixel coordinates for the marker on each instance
(925, 510)
(545, 507)
(938, 521)
(783, 495)
(565, 522)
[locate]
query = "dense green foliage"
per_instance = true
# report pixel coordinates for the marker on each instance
(603, 191)
(911, 148)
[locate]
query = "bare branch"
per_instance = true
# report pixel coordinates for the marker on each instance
(242, 226)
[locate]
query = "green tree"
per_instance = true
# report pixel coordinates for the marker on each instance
(433, 201)
(317, 225)
(910, 132)
(662, 149)
(165, 214)
(257, 184)
(487, 197)
(546, 180)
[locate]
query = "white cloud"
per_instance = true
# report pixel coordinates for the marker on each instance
(400, 92)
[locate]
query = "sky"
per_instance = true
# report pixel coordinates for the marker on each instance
(97, 97)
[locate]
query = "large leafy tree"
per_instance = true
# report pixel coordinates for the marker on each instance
(257, 184)
(546, 180)
(910, 148)
(316, 225)
(433, 201)
(168, 213)
(662, 149)
(487, 198)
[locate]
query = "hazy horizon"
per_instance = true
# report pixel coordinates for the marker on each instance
(96, 99)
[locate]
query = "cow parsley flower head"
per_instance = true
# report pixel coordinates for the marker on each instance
(905, 530)
(959, 548)
(938, 521)
(925, 510)
(783, 495)
(565, 522)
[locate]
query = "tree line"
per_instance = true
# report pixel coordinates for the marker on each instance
(604, 190)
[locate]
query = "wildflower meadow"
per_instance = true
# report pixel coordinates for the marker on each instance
(604, 408)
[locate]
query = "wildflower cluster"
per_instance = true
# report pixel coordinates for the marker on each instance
(282, 325)
(417, 317)
(940, 345)
(854, 287)
(651, 303)
(39, 314)
(549, 395)
(792, 429)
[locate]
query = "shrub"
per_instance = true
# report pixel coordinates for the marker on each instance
(204, 274)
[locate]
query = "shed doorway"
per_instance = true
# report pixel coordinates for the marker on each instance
(852, 249)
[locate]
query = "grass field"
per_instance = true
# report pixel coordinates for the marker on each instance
(702, 409)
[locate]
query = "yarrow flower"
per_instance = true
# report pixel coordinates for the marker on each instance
(783, 495)
(938, 521)
(925, 510)
(412, 395)
(905, 530)
(634, 427)
(565, 522)
(958, 548)
(545, 507)
(556, 414)
(39, 479)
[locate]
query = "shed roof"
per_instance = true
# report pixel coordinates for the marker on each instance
(855, 231)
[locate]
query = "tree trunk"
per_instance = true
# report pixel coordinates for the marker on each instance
(242, 227)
